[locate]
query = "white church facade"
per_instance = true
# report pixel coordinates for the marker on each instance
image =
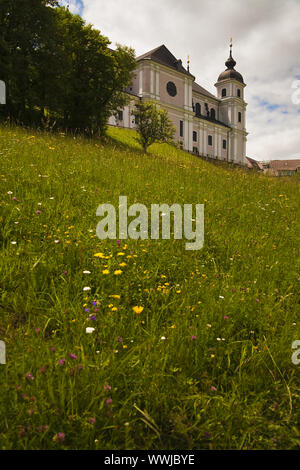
(208, 125)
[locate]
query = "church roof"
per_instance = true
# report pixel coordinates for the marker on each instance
(163, 56)
(199, 89)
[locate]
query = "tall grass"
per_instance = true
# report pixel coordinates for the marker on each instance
(207, 362)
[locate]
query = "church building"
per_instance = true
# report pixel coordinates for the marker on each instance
(207, 125)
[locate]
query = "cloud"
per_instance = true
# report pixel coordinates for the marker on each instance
(75, 6)
(266, 43)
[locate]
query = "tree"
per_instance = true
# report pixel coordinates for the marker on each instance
(58, 69)
(153, 124)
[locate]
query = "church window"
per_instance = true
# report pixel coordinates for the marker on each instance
(240, 117)
(194, 136)
(224, 144)
(213, 113)
(223, 92)
(181, 129)
(171, 89)
(210, 140)
(120, 115)
(198, 109)
(239, 93)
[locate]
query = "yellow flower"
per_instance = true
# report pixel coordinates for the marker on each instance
(115, 296)
(137, 309)
(118, 272)
(99, 255)
(114, 309)
(122, 265)
(105, 271)
(121, 254)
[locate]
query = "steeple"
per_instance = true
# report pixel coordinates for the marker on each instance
(230, 72)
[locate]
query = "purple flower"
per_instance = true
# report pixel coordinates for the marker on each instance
(109, 401)
(107, 387)
(29, 376)
(120, 340)
(94, 302)
(213, 389)
(92, 420)
(62, 361)
(37, 330)
(86, 309)
(72, 356)
(226, 317)
(119, 242)
(38, 212)
(92, 318)
(193, 338)
(52, 349)
(59, 437)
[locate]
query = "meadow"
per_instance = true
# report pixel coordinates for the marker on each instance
(141, 344)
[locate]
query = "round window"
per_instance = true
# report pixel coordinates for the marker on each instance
(171, 89)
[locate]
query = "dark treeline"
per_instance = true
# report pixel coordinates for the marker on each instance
(59, 72)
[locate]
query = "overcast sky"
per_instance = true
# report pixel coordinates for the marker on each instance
(266, 47)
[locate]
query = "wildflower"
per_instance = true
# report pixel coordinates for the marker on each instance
(31, 412)
(221, 297)
(107, 387)
(119, 242)
(43, 428)
(44, 368)
(92, 420)
(256, 300)
(13, 243)
(105, 271)
(29, 376)
(99, 255)
(86, 272)
(37, 330)
(163, 337)
(94, 303)
(120, 339)
(9, 192)
(138, 309)
(226, 317)
(38, 212)
(109, 401)
(193, 338)
(62, 361)
(118, 272)
(59, 437)
(89, 330)
(86, 289)
(213, 389)
(92, 318)
(72, 356)
(86, 309)
(80, 367)
(52, 349)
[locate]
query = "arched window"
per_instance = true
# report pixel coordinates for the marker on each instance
(213, 113)
(223, 92)
(198, 109)
(240, 117)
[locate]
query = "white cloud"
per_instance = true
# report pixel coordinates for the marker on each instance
(266, 43)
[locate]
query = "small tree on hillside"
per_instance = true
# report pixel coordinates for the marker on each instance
(153, 125)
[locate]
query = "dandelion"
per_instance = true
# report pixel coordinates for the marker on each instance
(118, 272)
(105, 271)
(138, 309)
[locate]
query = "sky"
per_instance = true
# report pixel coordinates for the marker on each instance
(266, 47)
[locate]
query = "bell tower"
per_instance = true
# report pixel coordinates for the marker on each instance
(232, 109)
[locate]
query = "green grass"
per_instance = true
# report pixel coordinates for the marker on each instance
(233, 387)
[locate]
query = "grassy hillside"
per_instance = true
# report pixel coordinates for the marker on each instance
(206, 364)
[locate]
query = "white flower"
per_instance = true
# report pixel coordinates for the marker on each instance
(13, 243)
(9, 192)
(86, 289)
(89, 330)
(221, 296)
(86, 272)
(163, 337)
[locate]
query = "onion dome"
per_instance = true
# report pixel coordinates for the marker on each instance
(230, 72)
